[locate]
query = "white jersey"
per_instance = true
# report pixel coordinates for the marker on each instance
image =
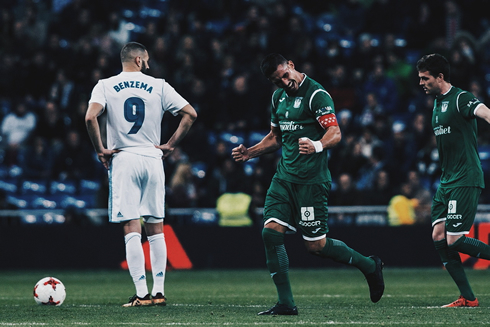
(135, 105)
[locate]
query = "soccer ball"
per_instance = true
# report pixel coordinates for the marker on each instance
(49, 291)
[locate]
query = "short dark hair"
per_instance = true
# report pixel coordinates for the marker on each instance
(127, 50)
(435, 64)
(270, 63)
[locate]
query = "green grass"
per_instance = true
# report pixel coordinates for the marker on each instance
(231, 297)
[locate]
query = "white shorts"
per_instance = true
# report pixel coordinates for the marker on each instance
(136, 187)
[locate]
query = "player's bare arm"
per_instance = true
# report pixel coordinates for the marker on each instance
(483, 112)
(330, 139)
(93, 129)
(189, 115)
(270, 143)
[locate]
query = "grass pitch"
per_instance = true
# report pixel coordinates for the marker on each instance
(232, 298)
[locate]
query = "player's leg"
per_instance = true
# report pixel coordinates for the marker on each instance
(278, 261)
(136, 262)
(158, 257)
(313, 201)
(452, 262)
(449, 257)
(461, 215)
(124, 195)
(152, 208)
(276, 209)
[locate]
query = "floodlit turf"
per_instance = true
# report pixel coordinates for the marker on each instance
(233, 298)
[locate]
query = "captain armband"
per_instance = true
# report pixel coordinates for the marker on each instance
(328, 120)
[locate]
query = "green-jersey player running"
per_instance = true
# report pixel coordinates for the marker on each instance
(304, 125)
(455, 203)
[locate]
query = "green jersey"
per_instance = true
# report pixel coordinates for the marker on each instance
(297, 117)
(454, 124)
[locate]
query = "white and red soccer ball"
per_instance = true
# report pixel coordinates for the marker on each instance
(49, 291)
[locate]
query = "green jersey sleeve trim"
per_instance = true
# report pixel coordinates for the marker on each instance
(466, 104)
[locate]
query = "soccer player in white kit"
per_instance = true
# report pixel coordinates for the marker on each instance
(135, 105)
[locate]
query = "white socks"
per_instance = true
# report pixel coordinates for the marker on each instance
(136, 262)
(158, 256)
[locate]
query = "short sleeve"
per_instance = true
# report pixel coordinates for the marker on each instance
(172, 101)
(98, 94)
(321, 103)
(467, 104)
(274, 100)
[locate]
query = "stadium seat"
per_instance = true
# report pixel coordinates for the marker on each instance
(42, 203)
(9, 186)
(484, 152)
(205, 217)
(66, 187)
(249, 166)
(255, 137)
(199, 169)
(327, 23)
(33, 187)
(89, 187)
(232, 139)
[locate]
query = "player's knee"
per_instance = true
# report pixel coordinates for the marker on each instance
(438, 233)
(273, 237)
(316, 247)
(454, 243)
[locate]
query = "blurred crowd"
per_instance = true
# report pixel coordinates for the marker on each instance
(363, 52)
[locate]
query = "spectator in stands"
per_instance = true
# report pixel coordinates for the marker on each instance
(346, 193)
(427, 164)
(422, 26)
(61, 91)
(369, 141)
(350, 159)
(420, 130)
(372, 108)
(368, 172)
(238, 102)
(340, 87)
(421, 193)
(15, 130)
(401, 210)
(400, 152)
(182, 191)
(37, 160)
(51, 126)
(75, 160)
(381, 192)
(383, 87)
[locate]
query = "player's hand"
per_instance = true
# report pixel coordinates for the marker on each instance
(240, 153)
(166, 149)
(306, 146)
(106, 156)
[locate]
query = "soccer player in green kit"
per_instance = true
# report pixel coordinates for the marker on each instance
(455, 203)
(303, 123)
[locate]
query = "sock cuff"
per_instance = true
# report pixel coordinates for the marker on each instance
(155, 237)
(129, 236)
(326, 249)
(456, 244)
(441, 244)
(272, 237)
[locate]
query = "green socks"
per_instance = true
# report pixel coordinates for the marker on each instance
(278, 264)
(340, 252)
(472, 247)
(452, 261)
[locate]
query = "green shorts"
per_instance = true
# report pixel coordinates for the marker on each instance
(456, 207)
(298, 206)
